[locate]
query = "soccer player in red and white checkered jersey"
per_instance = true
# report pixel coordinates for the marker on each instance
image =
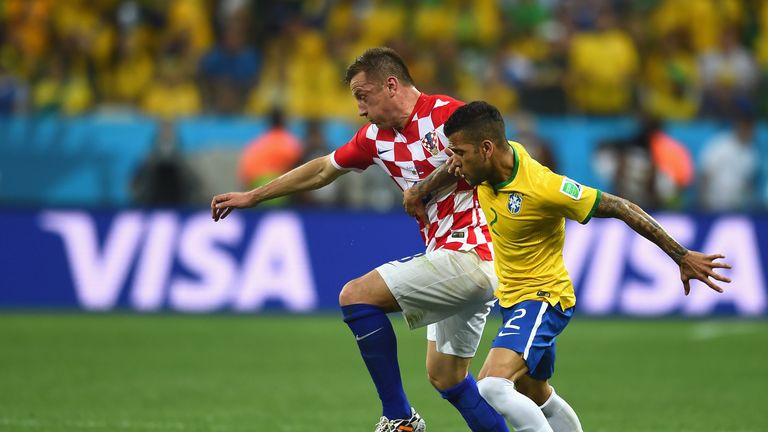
(449, 288)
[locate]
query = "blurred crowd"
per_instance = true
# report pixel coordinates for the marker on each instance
(675, 59)
(656, 59)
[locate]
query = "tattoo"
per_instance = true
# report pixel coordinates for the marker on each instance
(636, 218)
(437, 179)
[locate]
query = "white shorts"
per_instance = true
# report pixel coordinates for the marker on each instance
(448, 291)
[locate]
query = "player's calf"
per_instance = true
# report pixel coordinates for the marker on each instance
(478, 414)
(560, 415)
(450, 376)
(519, 411)
(378, 347)
(536, 390)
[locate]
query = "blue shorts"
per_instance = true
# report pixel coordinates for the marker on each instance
(529, 329)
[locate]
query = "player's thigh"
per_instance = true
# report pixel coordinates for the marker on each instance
(368, 289)
(445, 370)
(503, 363)
(433, 286)
(459, 335)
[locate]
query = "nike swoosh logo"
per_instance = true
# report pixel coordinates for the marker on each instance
(359, 338)
(507, 334)
(381, 152)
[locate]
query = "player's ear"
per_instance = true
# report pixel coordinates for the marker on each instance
(486, 147)
(392, 85)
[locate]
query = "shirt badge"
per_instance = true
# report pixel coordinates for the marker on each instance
(431, 143)
(571, 189)
(515, 203)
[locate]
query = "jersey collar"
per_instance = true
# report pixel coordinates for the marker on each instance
(514, 171)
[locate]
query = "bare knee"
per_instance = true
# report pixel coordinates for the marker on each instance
(445, 379)
(369, 289)
(352, 293)
(446, 371)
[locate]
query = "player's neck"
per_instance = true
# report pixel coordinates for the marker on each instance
(409, 99)
(503, 165)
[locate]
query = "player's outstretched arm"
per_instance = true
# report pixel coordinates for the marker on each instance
(693, 264)
(414, 197)
(312, 175)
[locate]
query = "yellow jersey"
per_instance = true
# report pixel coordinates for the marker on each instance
(526, 215)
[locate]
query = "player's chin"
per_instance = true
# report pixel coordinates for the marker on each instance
(473, 181)
(378, 123)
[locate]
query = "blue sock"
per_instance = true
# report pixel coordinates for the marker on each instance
(478, 414)
(378, 346)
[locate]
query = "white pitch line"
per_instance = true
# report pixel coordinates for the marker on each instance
(119, 424)
(93, 424)
(712, 330)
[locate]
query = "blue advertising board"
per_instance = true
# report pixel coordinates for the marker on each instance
(169, 260)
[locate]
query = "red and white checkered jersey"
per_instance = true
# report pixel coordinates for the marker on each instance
(410, 155)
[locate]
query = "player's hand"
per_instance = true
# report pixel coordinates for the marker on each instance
(414, 206)
(223, 204)
(453, 164)
(696, 265)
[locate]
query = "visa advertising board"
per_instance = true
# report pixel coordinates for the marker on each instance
(181, 261)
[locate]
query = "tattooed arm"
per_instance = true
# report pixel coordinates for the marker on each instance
(612, 206)
(693, 264)
(416, 195)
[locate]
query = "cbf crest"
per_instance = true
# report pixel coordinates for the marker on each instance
(515, 203)
(431, 143)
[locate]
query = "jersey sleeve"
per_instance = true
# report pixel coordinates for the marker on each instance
(357, 154)
(568, 198)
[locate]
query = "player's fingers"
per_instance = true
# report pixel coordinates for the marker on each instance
(720, 265)
(410, 205)
(225, 203)
(687, 286)
(422, 215)
(711, 285)
(720, 277)
(451, 166)
(214, 211)
(225, 212)
(714, 257)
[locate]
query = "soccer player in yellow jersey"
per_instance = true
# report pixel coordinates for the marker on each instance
(526, 205)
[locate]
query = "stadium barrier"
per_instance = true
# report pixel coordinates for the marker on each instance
(181, 261)
(90, 160)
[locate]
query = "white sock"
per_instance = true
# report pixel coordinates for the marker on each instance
(520, 412)
(560, 415)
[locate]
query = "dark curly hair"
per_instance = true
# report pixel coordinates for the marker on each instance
(478, 121)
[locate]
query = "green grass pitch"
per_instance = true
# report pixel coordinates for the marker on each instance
(113, 372)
